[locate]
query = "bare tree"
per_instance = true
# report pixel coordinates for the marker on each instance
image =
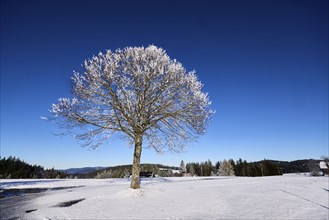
(139, 93)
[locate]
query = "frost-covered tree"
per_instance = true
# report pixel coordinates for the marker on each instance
(140, 94)
(104, 174)
(226, 168)
(191, 170)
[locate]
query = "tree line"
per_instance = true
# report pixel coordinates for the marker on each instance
(206, 168)
(231, 167)
(14, 168)
(125, 171)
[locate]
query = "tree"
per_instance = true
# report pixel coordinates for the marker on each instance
(206, 168)
(191, 170)
(141, 95)
(314, 168)
(232, 163)
(226, 168)
(182, 167)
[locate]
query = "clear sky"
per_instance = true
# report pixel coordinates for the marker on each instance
(264, 64)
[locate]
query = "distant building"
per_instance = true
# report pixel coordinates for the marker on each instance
(324, 168)
(170, 170)
(144, 174)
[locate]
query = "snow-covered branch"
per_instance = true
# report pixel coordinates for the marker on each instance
(139, 92)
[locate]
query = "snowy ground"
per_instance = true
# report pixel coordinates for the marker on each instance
(281, 197)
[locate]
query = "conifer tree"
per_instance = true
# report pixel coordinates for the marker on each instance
(191, 170)
(182, 167)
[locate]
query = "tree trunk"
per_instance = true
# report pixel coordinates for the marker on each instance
(135, 182)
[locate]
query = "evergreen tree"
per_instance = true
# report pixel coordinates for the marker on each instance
(19, 169)
(217, 165)
(182, 167)
(314, 168)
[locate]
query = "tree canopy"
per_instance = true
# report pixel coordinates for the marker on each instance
(139, 93)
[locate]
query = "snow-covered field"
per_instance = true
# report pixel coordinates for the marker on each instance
(280, 197)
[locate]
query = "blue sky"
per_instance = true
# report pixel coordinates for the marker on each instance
(263, 63)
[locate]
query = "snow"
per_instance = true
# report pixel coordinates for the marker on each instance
(279, 197)
(323, 165)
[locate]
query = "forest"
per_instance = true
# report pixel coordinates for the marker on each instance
(15, 168)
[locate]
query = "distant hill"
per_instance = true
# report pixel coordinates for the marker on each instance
(124, 170)
(296, 166)
(82, 170)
